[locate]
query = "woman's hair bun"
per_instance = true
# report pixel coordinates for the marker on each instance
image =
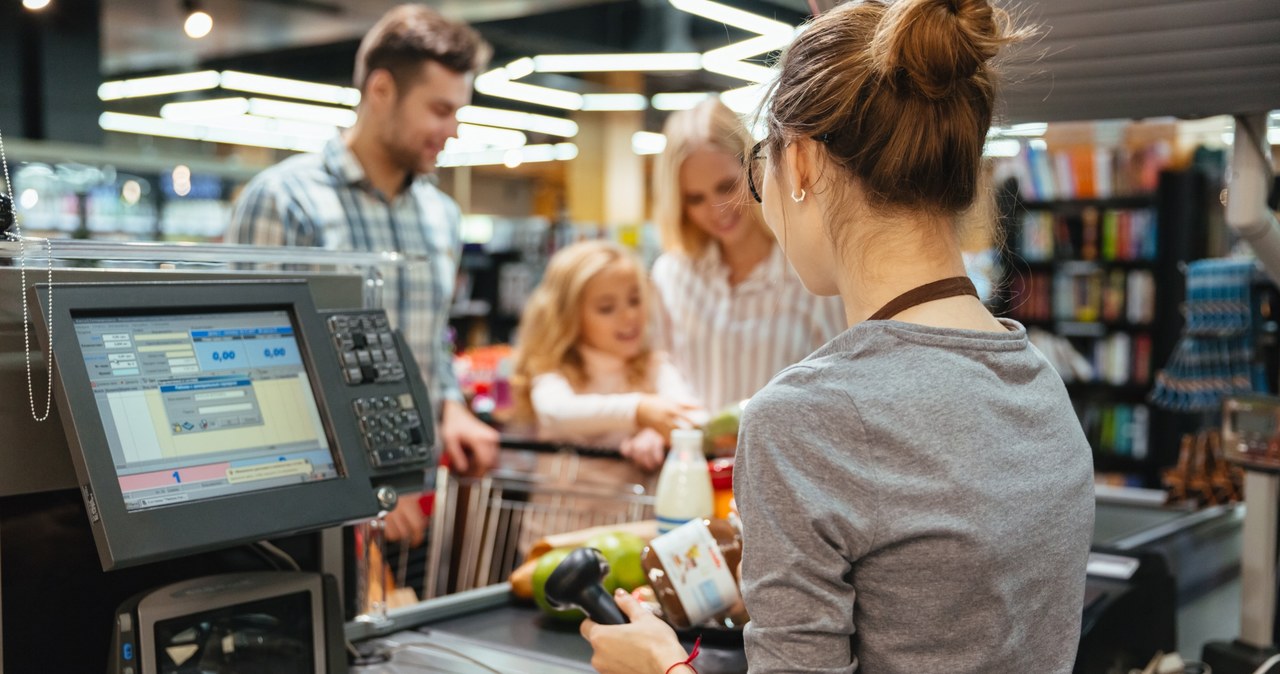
(931, 45)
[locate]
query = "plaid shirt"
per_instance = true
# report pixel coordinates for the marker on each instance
(324, 200)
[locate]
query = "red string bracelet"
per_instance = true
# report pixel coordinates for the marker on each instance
(688, 662)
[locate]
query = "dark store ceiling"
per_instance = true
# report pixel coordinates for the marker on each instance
(1099, 59)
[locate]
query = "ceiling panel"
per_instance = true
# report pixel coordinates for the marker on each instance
(1102, 59)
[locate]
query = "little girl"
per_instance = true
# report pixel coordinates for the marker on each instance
(584, 370)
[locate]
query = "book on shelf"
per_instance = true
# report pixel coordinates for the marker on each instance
(1104, 235)
(1119, 430)
(1086, 171)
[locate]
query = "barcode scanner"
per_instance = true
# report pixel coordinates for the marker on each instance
(578, 583)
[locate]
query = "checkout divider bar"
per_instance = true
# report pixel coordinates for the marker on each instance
(431, 610)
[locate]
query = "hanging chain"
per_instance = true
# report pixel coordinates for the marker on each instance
(16, 235)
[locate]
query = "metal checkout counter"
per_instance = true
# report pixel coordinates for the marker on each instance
(125, 532)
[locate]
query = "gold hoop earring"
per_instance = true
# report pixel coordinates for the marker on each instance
(800, 198)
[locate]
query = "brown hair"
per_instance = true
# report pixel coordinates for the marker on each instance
(901, 95)
(710, 124)
(410, 35)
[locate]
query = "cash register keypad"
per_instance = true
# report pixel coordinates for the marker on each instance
(391, 428)
(366, 348)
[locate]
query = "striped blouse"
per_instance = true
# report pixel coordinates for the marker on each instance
(729, 341)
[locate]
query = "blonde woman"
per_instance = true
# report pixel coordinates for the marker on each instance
(917, 494)
(732, 312)
(585, 372)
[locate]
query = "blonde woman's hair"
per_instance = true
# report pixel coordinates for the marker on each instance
(552, 321)
(709, 125)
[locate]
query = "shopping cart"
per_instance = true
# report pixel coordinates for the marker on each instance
(482, 528)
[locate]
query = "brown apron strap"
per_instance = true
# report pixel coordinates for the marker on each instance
(947, 287)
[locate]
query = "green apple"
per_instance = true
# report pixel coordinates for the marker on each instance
(547, 563)
(623, 551)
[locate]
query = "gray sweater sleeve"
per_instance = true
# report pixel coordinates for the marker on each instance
(803, 527)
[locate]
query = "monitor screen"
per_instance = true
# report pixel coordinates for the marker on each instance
(203, 405)
(201, 415)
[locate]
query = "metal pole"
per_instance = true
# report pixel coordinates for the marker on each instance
(1258, 559)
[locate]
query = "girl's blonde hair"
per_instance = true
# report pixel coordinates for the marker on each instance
(552, 321)
(709, 125)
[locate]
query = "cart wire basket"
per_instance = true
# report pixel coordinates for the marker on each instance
(482, 528)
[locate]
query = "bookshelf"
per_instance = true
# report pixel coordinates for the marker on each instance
(1101, 275)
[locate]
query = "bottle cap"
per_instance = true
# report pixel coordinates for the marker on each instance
(722, 473)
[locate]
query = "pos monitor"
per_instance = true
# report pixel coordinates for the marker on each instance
(199, 415)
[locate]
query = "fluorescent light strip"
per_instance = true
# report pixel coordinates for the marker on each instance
(158, 126)
(732, 16)
(647, 142)
(677, 101)
(1031, 130)
(531, 93)
(582, 63)
(596, 102)
(743, 100)
(302, 112)
(525, 121)
(156, 86)
(1002, 147)
(289, 88)
(521, 67)
(490, 137)
(729, 60)
(197, 111)
(526, 154)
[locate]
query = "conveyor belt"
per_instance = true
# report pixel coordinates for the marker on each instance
(507, 637)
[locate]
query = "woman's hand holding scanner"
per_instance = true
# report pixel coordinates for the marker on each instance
(663, 415)
(644, 646)
(646, 449)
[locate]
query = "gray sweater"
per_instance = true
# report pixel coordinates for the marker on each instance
(914, 500)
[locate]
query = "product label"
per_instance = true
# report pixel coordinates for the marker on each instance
(698, 572)
(668, 524)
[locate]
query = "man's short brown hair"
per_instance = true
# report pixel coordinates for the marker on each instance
(410, 35)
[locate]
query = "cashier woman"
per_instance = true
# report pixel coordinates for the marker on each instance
(917, 494)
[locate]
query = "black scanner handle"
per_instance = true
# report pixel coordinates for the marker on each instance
(578, 582)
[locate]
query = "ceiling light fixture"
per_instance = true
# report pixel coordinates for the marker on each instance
(35, 5)
(302, 112)
(213, 108)
(158, 85)
(487, 136)
(733, 16)
(198, 23)
(498, 82)
(647, 142)
(731, 60)
(584, 63)
(525, 121)
(158, 126)
(290, 88)
(677, 101)
(616, 102)
(527, 155)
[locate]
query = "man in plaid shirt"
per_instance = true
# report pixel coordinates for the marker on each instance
(370, 190)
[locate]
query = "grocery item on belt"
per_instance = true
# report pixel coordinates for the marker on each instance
(693, 571)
